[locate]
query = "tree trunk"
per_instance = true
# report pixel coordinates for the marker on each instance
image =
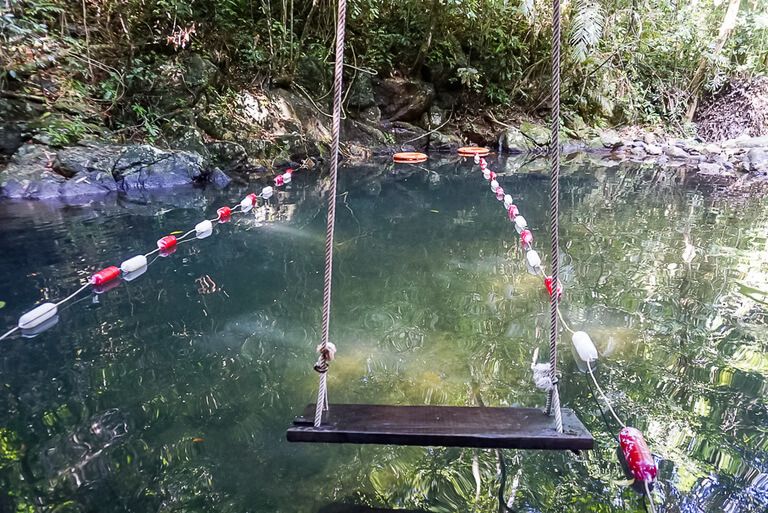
(424, 49)
(729, 22)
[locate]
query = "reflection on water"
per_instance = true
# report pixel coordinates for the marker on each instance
(172, 392)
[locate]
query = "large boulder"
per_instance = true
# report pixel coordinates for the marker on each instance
(146, 167)
(403, 99)
(361, 94)
(30, 175)
(446, 143)
(267, 125)
(186, 138)
(611, 140)
(538, 134)
(37, 172)
(512, 140)
(228, 156)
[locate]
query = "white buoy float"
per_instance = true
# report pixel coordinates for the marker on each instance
(37, 316)
(267, 192)
(204, 228)
(585, 351)
(133, 264)
(533, 259)
(520, 224)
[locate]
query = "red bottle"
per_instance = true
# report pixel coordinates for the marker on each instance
(167, 242)
(105, 275)
(637, 455)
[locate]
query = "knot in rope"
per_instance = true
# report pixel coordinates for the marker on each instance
(326, 352)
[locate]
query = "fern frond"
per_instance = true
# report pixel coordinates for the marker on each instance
(586, 28)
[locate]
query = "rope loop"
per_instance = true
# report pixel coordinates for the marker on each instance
(327, 352)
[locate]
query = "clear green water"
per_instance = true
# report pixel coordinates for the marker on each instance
(164, 396)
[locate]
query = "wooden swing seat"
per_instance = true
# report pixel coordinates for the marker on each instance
(443, 426)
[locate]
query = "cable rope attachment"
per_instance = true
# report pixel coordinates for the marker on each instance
(326, 349)
(553, 398)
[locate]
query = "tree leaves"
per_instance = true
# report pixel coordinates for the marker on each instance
(586, 29)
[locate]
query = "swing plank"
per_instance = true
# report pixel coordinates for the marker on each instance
(443, 426)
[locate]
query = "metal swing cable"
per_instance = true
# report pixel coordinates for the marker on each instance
(326, 349)
(553, 399)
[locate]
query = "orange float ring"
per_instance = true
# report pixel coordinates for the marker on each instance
(409, 157)
(471, 151)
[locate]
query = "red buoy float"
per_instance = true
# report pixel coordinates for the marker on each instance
(409, 157)
(549, 282)
(279, 181)
(500, 193)
(512, 212)
(471, 151)
(224, 214)
(526, 238)
(105, 275)
(637, 455)
(167, 242)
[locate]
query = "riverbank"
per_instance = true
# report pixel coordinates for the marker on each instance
(250, 133)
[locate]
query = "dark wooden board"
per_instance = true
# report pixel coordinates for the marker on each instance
(444, 426)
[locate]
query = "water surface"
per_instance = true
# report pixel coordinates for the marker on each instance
(172, 392)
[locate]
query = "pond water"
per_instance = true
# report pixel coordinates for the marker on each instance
(173, 392)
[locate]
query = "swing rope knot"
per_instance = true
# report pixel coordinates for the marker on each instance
(327, 353)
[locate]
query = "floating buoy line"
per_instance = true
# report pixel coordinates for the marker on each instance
(45, 316)
(640, 462)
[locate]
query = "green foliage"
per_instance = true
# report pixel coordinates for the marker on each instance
(64, 130)
(586, 28)
(623, 61)
(148, 121)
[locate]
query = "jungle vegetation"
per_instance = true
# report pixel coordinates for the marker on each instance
(626, 61)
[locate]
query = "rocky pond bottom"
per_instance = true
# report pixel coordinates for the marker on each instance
(173, 392)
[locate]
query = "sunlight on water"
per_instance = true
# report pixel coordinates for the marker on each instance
(172, 392)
